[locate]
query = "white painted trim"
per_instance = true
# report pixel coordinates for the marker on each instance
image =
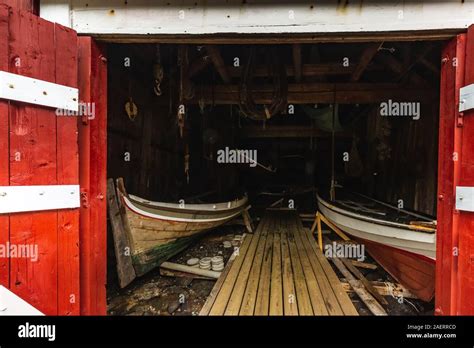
(38, 92)
(11, 304)
(191, 17)
(139, 211)
(20, 199)
(466, 97)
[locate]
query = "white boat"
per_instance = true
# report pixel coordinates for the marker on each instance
(397, 239)
(157, 231)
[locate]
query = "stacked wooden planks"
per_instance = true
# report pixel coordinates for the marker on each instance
(279, 270)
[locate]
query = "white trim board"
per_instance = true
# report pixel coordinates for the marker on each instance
(20, 199)
(11, 304)
(202, 17)
(33, 91)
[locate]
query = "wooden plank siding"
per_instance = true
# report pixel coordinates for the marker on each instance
(39, 148)
(68, 174)
(279, 271)
(92, 72)
(4, 147)
(33, 161)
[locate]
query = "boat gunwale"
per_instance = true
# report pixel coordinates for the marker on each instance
(206, 208)
(412, 228)
(136, 210)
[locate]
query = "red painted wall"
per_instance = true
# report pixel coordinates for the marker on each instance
(69, 277)
(455, 233)
(93, 171)
(25, 5)
(39, 148)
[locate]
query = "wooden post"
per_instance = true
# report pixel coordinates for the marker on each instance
(92, 177)
(320, 232)
(125, 270)
(247, 220)
(317, 224)
(334, 228)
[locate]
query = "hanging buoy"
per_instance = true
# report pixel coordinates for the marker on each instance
(131, 109)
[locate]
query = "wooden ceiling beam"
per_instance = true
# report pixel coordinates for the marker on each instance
(400, 69)
(430, 65)
(306, 70)
(327, 93)
(287, 132)
(297, 62)
(367, 55)
(198, 65)
(419, 55)
(216, 58)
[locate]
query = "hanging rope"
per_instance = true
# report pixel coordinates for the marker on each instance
(280, 88)
(158, 72)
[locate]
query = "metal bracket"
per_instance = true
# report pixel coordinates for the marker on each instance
(466, 98)
(28, 90)
(465, 198)
(19, 199)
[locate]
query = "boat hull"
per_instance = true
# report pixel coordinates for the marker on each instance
(408, 256)
(154, 241)
(156, 231)
(414, 271)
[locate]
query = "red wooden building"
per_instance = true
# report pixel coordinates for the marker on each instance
(67, 157)
(69, 275)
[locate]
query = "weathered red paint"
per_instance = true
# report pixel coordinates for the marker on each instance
(68, 174)
(455, 242)
(37, 148)
(33, 140)
(4, 147)
(444, 242)
(465, 281)
(24, 5)
(93, 166)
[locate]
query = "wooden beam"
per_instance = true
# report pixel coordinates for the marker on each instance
(369, 52)
(297, 62)
(218, 62)
(306, 70)
(420, 54)
(261, 39)
(364, 264)
(394, 64)
(125, 270)
(430, 65)
(364, 281)
(308, 93)
(359, 289)
(198, 65)
(287, 132)
(384, 289)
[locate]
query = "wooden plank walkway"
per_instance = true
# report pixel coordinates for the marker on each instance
(278, 270)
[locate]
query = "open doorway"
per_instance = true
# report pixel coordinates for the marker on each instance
(313, 118)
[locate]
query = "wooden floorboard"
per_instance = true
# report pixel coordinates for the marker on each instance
(279, 270)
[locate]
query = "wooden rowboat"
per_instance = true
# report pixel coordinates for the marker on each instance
(157, 231)
(396, 239)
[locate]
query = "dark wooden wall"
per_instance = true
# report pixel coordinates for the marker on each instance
(156, 167)
(408, 170)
